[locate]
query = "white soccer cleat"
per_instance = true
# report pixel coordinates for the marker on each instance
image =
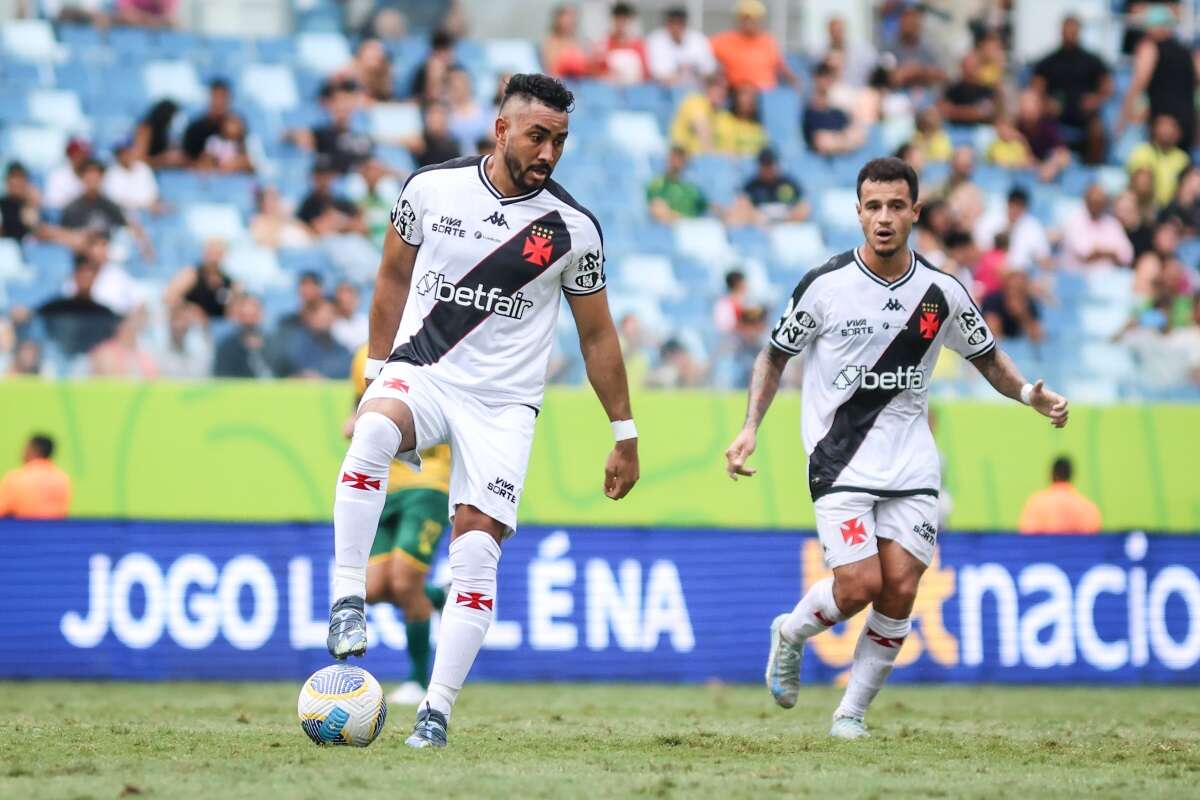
(409, 693)
(783, 666)
(849, 728)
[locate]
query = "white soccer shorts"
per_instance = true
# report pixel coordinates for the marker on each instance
(489, 444)
(849, 524)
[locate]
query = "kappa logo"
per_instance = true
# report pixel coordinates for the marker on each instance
(505, 489)
(537, 249)
(489, 300)
(497, 219)
(853, 532)
(929, 320)
(926, 531)
(893, 305)
(359, 480)
(476, 600)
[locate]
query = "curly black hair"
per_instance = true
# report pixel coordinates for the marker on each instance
(886, 170)
(542, 88)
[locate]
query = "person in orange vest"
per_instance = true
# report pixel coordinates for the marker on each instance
(1060, 507)
(38, 489)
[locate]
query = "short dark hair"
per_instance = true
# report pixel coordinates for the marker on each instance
(823, 70)
(219, 84)
(441, 39)
(623, 10)
(733, 278)
(676, 12)
(16, 168)
(91, 163)
(1060, 470)
(312, 275)
(542, 88)
(43, 444)
(1019, 194)
(886, 170)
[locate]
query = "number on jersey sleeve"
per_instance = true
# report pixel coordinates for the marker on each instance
(969, 335)
(801, 321)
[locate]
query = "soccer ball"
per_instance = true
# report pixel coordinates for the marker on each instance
(342, 704)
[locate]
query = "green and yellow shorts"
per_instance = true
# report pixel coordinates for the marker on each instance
(411, 525)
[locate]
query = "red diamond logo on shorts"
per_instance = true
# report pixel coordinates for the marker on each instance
(882, 640)
(396, 383)
(358, 480)
(853, 532)
(475, 600)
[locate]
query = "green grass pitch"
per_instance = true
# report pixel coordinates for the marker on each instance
(183, 740)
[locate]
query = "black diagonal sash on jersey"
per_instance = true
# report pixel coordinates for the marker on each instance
(508, 268)
(854, 418)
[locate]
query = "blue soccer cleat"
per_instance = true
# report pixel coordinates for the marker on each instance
(347, 628)
(430, 730)
(783, 666)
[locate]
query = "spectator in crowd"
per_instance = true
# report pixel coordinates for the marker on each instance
(435, 143)
(1009, 149)
(1029, 246)
(1142, 187)
(968, 101)
(122, 355)
(429, 81)
(210, 123)
(676, 368)
(39, 488)
(769, 196)
(65, 182)
(930, 136)
(129, 181)
(735, 360)
(828, 130)
(1075, 83)
(205, 287)
(273, 226)
(1094, 237)
(75, 322)
(1184, 210)
(228, 150)
(749, 54)
(342, 148)
(469, 120)
(152, 136)
(1043, 135)
(1138, 227)
(741, 132)
(915, 64)
(187, 350)
(728, 308)
(989, 270)
(1059, 508)
(310, 290)
(350, 326)
(371, 68)
(113, 286)
(991, 59)
(622, 59)
(92, 210)
(563, 55)
(857, 58)
(931, 229)
(1162, 289)
(1163, 156)
(324, 212)
(1011, 311)
(637, 347)
(964, 199)
(694, 127)
(376, 203)
(146, 13)
(670, 196)
(679, 55)
(26, 359)
(309, 350)
(1164, 70)
(241, 354)
(20, 215)
(1166, 347)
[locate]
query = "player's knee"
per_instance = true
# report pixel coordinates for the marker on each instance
(855, 589)
(903, 588)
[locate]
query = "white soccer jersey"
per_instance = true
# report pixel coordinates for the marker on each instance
(870, 347)
(484, 296)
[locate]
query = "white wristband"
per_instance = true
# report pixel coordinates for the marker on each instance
(624, 429)
(1027, 393)
(373, 368)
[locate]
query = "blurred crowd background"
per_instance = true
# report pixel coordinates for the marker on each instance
(201, 189)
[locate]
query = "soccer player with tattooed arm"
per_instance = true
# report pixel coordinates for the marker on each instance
(462, 321)
(870, 323)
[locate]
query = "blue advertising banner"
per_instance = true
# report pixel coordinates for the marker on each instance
(167, 600)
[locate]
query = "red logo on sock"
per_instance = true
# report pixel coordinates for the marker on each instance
(824, 620)
(475, 600)
(396, 383)
(853, 532)
(884, 641)
(358, 480)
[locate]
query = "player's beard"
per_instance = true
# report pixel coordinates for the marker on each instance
(520, 174)
(889, 250)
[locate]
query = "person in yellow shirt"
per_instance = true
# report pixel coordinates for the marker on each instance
(38, 489)
(695, 123)
(1060, 507)
(415, 517)
(1162, 156)
(740, 131)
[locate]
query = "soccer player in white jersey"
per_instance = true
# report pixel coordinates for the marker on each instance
(871, 322)
(479, 250)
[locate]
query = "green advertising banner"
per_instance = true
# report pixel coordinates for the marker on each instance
(231, 450)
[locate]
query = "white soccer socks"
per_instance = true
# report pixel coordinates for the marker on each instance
(467, 616)
(358, 500)
(815, 612)
(874, 657)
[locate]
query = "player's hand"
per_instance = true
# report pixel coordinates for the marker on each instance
(739, 453)
(621, 471)
(1049, 404)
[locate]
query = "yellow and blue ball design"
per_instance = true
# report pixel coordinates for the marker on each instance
(342, 704)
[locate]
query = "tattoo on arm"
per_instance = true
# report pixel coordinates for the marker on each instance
(1000, 372)
(764, 383)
